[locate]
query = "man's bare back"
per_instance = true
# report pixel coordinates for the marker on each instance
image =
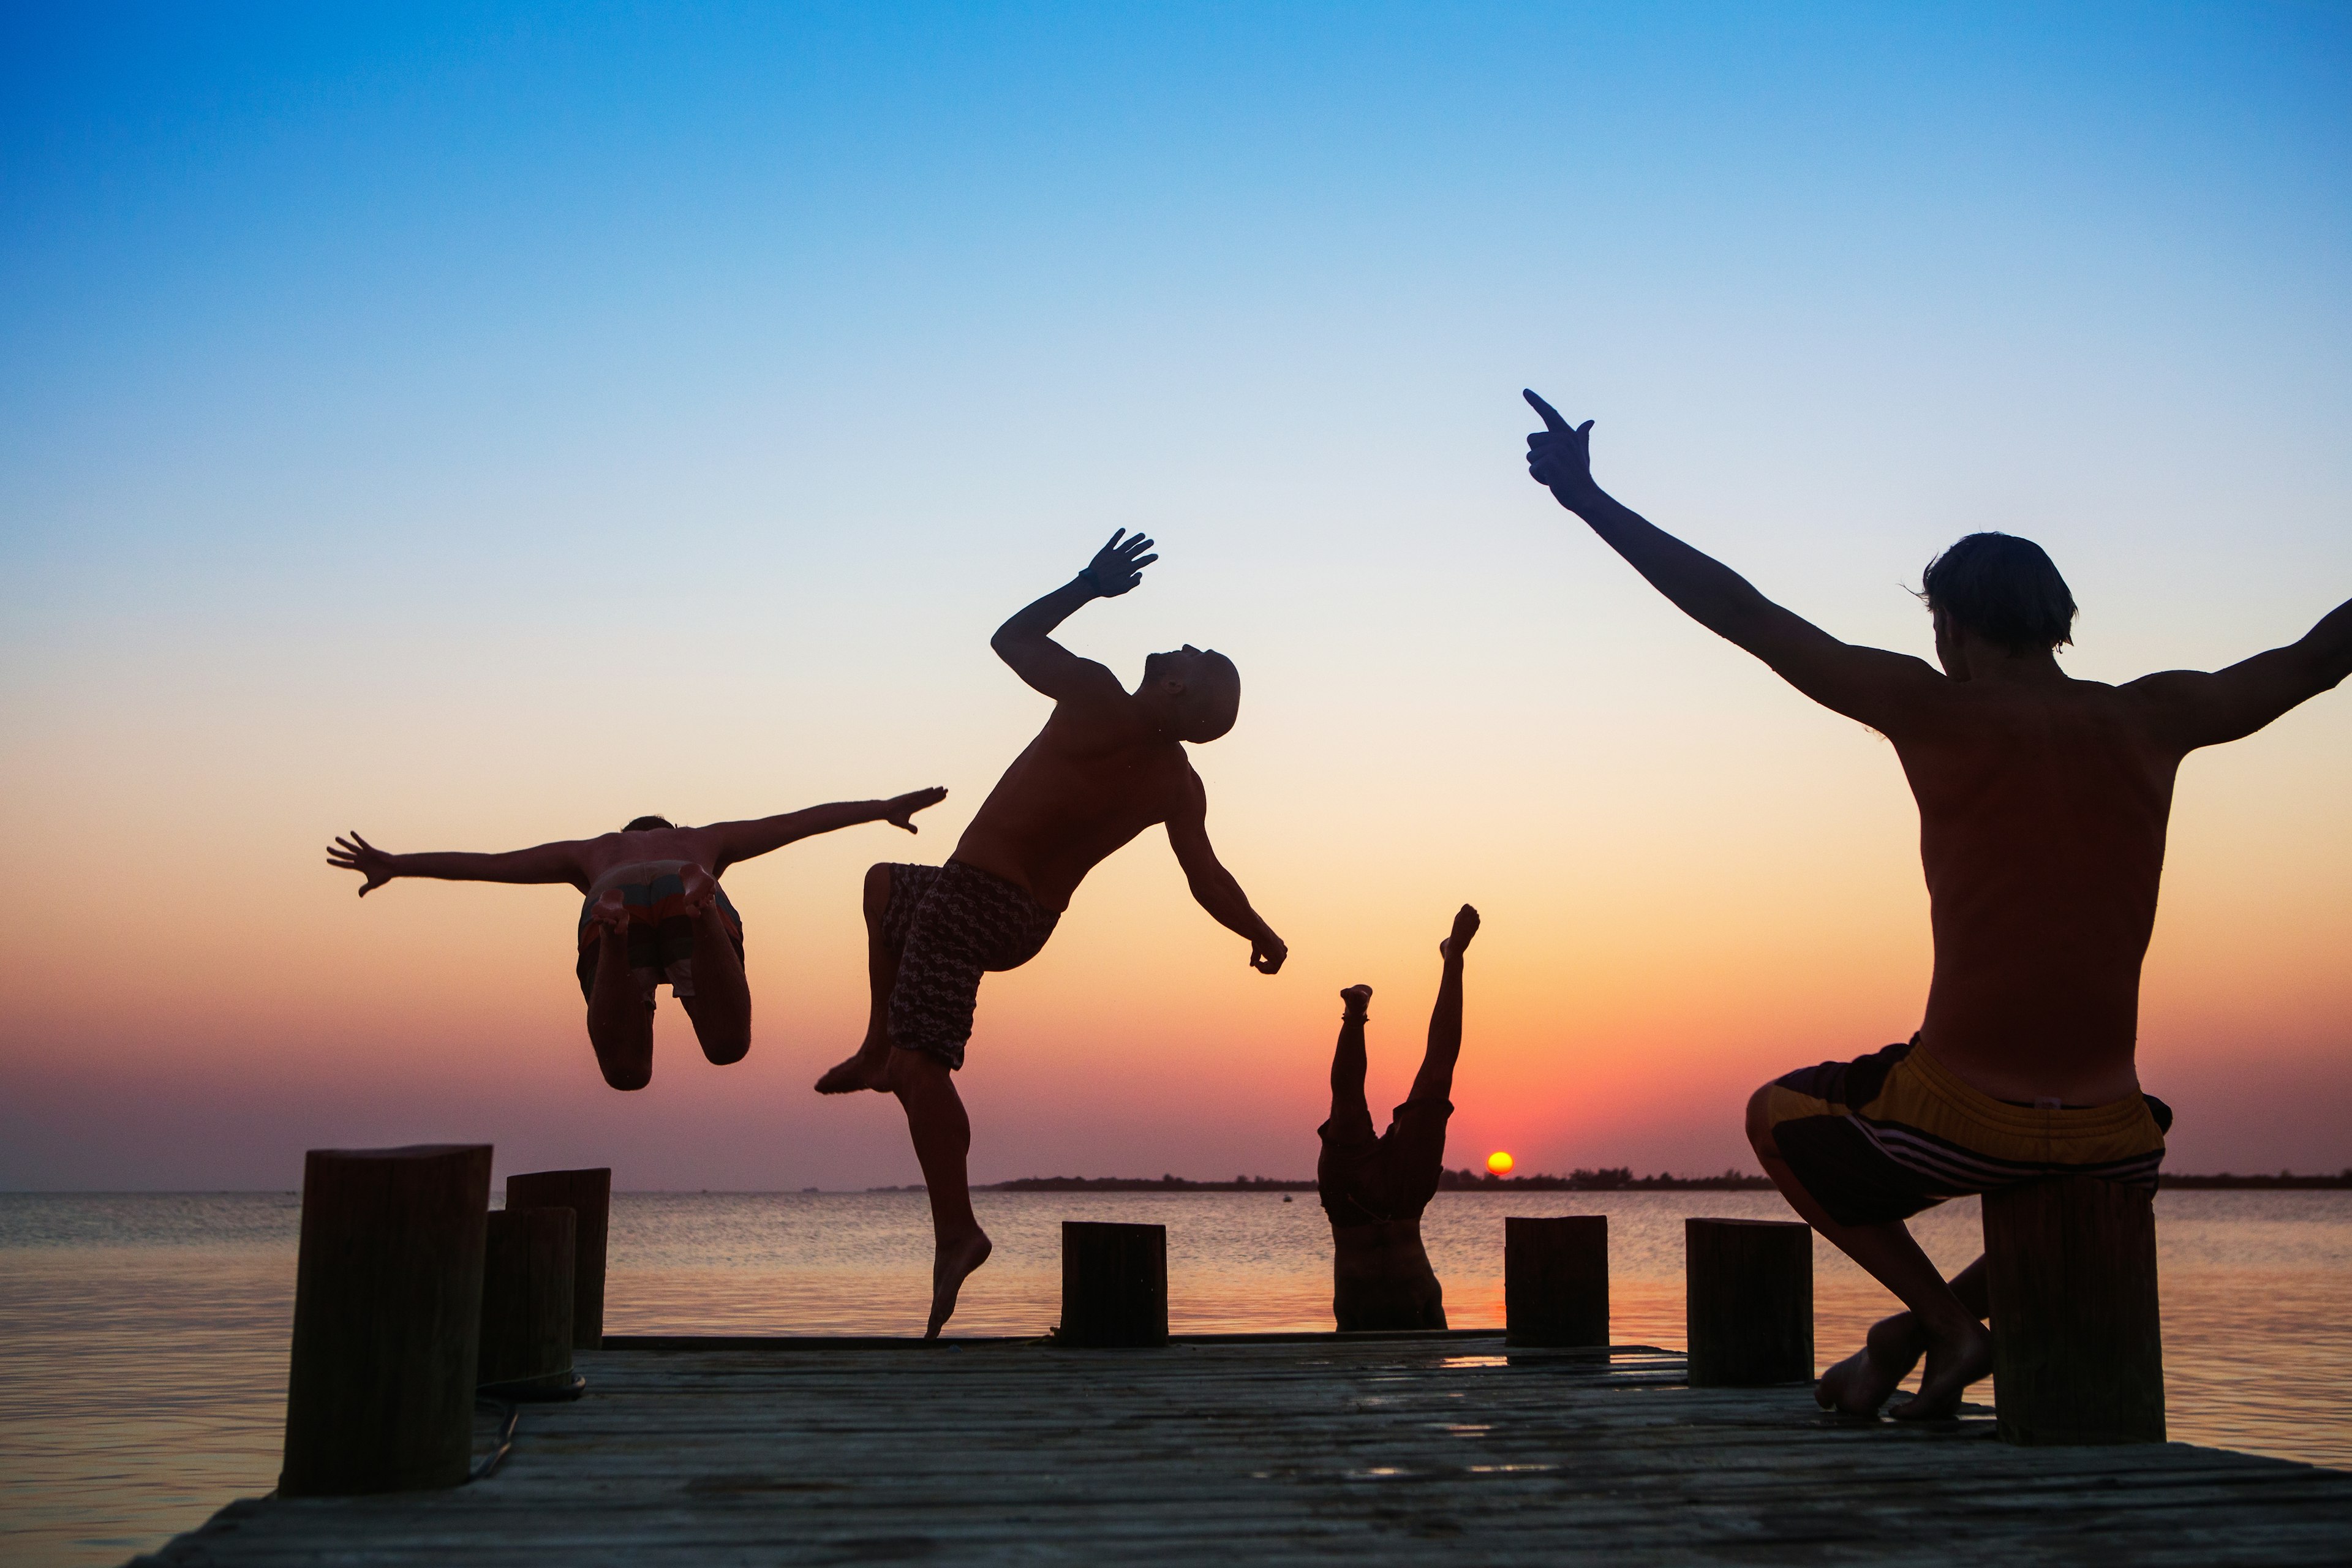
(2042, 804)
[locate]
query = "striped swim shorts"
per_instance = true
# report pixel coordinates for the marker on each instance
(661, 935)
(1887, 1135)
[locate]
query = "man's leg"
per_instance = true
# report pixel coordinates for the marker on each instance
(942, 1135)
(722, 1004)
(1957, 1346)
(620, 1023)
(1892, 1347)
(1435, 1079)
(1351, 1118)
(870, 1068)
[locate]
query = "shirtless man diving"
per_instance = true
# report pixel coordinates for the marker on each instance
(1109, 764)
(651, 912)
(2043, 803)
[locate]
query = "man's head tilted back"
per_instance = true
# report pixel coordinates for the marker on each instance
(2003, 589)
(1199, 689)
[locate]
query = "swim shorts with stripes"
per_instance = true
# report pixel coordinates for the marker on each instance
(1887, 1135)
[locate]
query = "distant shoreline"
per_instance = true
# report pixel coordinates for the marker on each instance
(1605, 1180)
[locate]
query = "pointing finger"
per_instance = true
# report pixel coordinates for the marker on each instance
(1552, 421)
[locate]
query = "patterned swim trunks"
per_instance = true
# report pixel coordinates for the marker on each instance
(661, 936)
(1885, 1135)
(950, 924)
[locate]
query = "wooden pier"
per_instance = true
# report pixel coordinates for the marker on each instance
(1269, 1448)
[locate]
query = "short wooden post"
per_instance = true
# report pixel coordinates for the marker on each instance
(588, 1194)
(1114, 1286)
(1556, 1280)
(1748, 1310)
(527, 1304)
(387, 1314)
(2077, 1342)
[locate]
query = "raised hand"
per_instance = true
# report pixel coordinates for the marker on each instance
(1267, 952)
(1557, 455)
(899, 808)
(1466, 926)
(1118, 566)
(356, 854)
(1356, 1001)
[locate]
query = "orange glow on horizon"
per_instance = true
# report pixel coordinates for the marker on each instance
(1500, 1163)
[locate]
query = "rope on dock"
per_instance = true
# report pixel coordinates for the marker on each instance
(510, 1415)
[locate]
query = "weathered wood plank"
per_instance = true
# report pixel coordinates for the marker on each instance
(1306, 1451)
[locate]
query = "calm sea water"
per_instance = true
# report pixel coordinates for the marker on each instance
(142, 1338)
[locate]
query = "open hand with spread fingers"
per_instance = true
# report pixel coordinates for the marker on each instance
(356, 854)
(1119, 566)
(1559, 455)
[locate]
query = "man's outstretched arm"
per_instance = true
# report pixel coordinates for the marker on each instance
(558, 862)
(1213, 886)
(1026, 642)
(758, 835)
(1862, 683)
(2194, 709)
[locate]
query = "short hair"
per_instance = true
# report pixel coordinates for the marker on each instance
(1214, 700)
(647, 824)
(2003, 588)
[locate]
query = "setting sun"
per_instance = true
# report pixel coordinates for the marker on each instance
(1500, 1162)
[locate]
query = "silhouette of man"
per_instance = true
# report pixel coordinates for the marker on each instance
(2042, 802)
(1107, 764)
(1374, 1188)
(651, 912)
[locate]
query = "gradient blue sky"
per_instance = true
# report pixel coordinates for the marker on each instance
(483, 424)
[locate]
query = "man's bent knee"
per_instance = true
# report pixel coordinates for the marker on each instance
(627, 1075)
(726, 1049)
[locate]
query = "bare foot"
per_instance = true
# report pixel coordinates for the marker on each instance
(869, 1069)
(1867, 1379)
(1466, 926)
(611, 912)
(951, 1267)
(1952, 1365)
(700, 890)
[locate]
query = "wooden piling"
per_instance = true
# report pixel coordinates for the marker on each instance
(527, 1304)
(2078, 1353)
(1748, 1310)
(387, 1315)
(1114, 1286)
(588, 1194)
(1556, 1280)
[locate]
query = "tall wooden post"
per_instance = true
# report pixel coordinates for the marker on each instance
(527, 1304)
(588, 1194)
(1114, 1286)
(2077, 1339)
(1556, 1280)
(1749, 1305)
(387, 1311)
